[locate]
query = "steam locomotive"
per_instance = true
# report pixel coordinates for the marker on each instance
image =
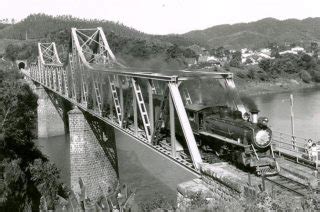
(243, 139)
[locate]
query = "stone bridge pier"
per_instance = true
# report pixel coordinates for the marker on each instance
(93, 155)
(50, 122)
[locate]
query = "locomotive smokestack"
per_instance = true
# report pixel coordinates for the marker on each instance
(254, 113)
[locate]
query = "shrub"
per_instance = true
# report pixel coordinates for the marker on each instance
(316, 76)
(226, 66)
(263, 76)
(252, 73)
(241, 75)
(305, 76)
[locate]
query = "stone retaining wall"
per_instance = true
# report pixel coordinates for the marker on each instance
(217, 186)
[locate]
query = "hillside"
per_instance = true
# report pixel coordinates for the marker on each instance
(132, 47)
(253, 35)
(258, 34)
(40, 26)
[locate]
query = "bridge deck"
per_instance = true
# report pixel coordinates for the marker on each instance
(130, 131)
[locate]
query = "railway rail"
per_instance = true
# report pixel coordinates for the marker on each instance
(291, 185)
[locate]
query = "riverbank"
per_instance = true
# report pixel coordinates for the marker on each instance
(256, 88)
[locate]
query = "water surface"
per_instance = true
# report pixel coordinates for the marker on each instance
(306, 110)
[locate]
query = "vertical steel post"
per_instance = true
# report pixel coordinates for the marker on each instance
(263, 182)
(111, 104)
(49, 76)
(135, 112)
(54, 79)
(121, 99)
(249, 179)
(200, 92)
(151, 113)
(172, 127)
(44, 75)
(185, 124)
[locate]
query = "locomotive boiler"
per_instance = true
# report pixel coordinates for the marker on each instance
(239, 138)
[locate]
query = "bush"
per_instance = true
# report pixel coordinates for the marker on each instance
(305, 76)
(226, 66)
(263, 76)
(241, 75)
(316, 76)
(252, 73)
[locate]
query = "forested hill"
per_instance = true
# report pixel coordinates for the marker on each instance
(39, 26)
(258, 34)
(243, 35)
(132, 47)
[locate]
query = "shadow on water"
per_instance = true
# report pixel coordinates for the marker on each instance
(148, 172)
(146, 185)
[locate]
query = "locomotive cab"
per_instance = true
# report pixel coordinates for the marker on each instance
(195, 113)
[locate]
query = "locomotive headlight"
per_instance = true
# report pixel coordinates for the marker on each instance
(263, 138)
(263, 121)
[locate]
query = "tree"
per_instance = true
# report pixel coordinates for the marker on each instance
(305, 76)
(307, 62)
(220, 52)
(11, 52)
(236, 59)
(46, 178)
(314, 49)
(174, 51)
(274, 49)
(189, 53)
(227, 53)
(14, 190)
(18, 106)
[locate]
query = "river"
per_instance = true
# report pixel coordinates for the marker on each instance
(306, 108)
(274, 106)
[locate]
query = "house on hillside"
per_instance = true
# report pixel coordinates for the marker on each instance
(205, 52)
(209, 60)
(246, 51)
(294, 50)
(266, 51)
(191, 61)
(298, 49)
(253, 57)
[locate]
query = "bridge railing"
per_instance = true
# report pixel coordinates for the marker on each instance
(296, 147)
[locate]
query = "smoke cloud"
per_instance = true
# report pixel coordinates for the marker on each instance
(249, 103)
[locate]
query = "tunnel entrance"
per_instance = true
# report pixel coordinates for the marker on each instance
(21, 65)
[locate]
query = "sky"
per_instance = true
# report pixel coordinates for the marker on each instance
(165, 16)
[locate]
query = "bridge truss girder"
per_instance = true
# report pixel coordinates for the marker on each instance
(94, 81)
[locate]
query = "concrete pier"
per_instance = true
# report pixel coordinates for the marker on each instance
(88, 159)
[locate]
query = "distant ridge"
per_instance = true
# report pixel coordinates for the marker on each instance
(252, 35)
(259, 33)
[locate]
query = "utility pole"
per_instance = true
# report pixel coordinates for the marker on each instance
(292, 121)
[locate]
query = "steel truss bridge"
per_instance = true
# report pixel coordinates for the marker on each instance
(137, 102)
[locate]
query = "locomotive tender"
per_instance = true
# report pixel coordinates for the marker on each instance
(233, 136)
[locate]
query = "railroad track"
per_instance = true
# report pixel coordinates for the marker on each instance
(290, 185)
